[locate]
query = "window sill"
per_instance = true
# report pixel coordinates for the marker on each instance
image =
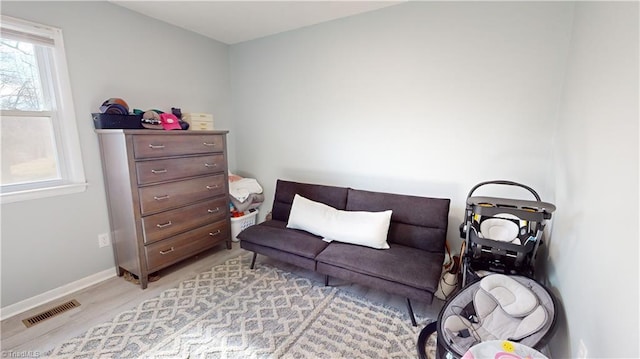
(27, 195)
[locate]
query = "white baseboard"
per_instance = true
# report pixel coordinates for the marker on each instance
(29, 303)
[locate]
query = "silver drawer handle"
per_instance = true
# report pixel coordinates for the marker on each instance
(213, 187)
(155, 147)
(214, 233)
(158, 171)
(163, 225)
(167, 251)
(211, 165)
(214, 210)
(208, 144)
(160, 198)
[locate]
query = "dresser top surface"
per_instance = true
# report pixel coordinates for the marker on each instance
(160, 132)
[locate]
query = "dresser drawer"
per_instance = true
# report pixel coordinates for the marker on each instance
(169, 223)
(149, 146)
(175, 168)
(172, 250)
(170, 195)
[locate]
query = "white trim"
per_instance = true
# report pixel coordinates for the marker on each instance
(69, 131)
(10, 197)
(28, 27)
(30, 303)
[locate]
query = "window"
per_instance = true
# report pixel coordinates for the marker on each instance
(40, 154)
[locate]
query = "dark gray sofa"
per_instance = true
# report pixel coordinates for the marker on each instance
(411, 267)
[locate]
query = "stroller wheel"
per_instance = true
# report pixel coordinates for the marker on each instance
(427, 341)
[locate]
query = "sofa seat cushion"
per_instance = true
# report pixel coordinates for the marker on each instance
(401, 264)
(275, 234)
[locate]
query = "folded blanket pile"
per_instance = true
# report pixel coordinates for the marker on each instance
(245, 194)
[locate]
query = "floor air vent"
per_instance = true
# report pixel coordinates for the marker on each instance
(31, 321)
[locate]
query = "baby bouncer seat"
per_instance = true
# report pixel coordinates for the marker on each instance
(497, 307)
(502, 235)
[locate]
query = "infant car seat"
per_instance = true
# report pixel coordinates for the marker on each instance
(498, 307)
(502, 235)
(503, 227)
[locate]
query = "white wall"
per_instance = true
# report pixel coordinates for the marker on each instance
(425, 98)
(593, 263)
(111, 52)
(431, 98)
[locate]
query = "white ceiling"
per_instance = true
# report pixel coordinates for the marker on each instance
(232, 22)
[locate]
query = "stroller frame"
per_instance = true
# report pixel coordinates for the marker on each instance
(481, 253)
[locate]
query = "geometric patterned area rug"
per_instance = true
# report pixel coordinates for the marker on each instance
(232, 311)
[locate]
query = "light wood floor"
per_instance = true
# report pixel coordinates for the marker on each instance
(103, 301)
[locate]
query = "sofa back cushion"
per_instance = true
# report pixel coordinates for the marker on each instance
(418, 222)
(335, 197)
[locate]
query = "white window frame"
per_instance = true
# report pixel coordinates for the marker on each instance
(65, 128)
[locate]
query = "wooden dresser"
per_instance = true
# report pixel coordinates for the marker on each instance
(168, 196)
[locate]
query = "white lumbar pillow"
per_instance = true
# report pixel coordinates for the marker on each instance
(356, 227)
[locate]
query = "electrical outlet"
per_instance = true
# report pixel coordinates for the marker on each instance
(582, 350)
(103, 240)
